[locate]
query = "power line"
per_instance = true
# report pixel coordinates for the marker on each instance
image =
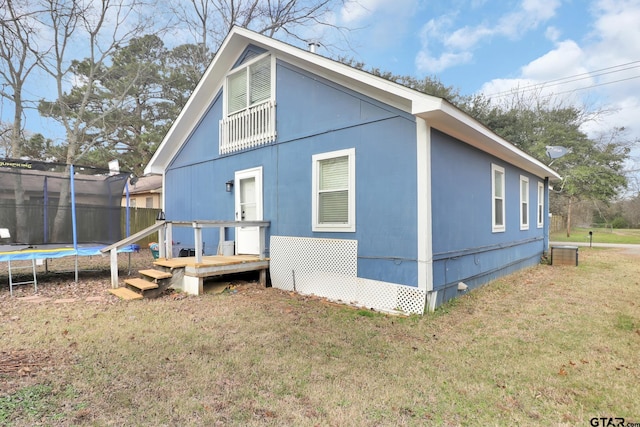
(574, 78)
(598, 84)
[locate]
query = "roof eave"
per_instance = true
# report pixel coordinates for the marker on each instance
(450, 120)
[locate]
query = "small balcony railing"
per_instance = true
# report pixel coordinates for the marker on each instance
(250, 128)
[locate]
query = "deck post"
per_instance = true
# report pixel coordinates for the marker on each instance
(197, 231)
(168, 230)
(161, 244)
(221, 239)
(262, 241)
(262, 278)
(114, 267)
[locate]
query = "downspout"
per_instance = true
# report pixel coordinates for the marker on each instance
(546, 219)
(424, 226)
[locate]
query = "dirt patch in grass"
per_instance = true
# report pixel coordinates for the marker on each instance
(548, 345)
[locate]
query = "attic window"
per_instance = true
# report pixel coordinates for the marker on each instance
(249, 86)
(250, 108)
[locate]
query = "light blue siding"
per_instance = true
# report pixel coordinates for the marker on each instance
(464, 246)
(313, 116)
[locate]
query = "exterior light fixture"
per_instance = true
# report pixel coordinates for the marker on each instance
(160, 216)
(229, 186)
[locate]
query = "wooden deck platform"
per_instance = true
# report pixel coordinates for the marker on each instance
(208, 261)
(211, 266)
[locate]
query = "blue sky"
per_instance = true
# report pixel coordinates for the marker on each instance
(495, 46)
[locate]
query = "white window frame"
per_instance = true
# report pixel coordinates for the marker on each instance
(350, 225)
(246, 68)
(495, 227)
(540, 210)
(524, 203)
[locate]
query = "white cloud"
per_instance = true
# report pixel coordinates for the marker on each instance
(600, 71)
(442, 62)
(382, 22)
(553, 34)
(442, 45)
(355, 11)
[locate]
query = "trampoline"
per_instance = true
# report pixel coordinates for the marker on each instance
(52, 210)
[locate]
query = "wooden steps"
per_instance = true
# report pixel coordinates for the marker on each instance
(155, 274)
(141, 284)
(125, 293)
(151, 284)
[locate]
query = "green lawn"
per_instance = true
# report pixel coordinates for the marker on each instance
(600, 235)
(546, 346)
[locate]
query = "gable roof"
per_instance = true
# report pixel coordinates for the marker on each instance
(439, 113)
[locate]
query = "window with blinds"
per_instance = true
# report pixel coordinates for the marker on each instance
(540, 210)
(498, 207)
(334, 191)
(249, 86)
(524, 203)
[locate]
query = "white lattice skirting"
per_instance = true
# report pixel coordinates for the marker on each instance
(328, 268)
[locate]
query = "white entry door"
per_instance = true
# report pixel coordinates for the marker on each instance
(248, 195)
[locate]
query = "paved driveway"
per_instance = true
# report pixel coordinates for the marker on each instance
(627, 248)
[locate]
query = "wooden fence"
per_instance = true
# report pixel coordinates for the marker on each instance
(557, 223)
(139, 219)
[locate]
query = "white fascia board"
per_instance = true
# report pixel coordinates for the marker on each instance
(196, 106)
(439, 113)
(454, 122)
(235, 43)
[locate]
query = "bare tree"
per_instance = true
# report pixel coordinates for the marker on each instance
(96, 30)
(209, 21)
(18, 58)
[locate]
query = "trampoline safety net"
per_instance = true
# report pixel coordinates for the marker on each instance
(36, 203)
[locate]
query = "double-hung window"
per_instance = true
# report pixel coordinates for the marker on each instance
(498, 199)
(333, 203)
(249, 86)
(540, 211)
(524, 203)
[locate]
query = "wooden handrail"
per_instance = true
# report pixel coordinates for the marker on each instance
(135, 237)
(164, 238)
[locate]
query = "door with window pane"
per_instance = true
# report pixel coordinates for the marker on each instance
(248, 207)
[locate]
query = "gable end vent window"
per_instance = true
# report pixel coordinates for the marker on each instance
(498, 199)
(334, 191)
(250, 118)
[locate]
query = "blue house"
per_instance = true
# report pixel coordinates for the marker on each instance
(377, 195)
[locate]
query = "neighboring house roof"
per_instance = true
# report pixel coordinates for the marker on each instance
(147, 184)
(439, 113)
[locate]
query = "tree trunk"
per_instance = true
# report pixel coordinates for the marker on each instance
(63, 213)
(569, 216)
(22, 228)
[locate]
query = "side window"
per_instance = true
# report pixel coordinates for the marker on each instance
(540, 210)
(333, 201)
(524, 203)
(498, 196)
